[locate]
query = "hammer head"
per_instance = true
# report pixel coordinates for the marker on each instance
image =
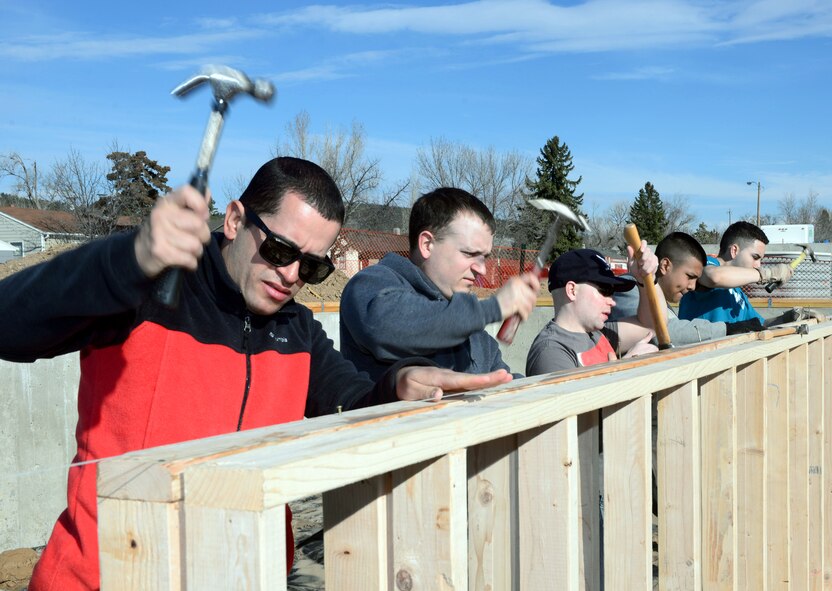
(808, 250)
(563, 212)
(227, 82)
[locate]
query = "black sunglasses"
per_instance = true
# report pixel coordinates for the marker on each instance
(280, 252)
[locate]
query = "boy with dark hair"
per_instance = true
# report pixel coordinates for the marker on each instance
(718, 296)
(681, 262)
(423, 305)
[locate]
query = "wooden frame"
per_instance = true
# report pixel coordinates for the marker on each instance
(499, 489)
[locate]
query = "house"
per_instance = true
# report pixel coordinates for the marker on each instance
(7, 251)
(355, 249)
(35, 230)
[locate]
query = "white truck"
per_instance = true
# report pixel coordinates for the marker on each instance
(790, 233)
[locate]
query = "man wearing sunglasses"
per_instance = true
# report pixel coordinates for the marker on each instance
(423, 305)
(582, 286)
(237, 353)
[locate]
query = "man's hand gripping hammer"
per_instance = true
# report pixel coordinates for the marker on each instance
(225, 83)
(562, 213)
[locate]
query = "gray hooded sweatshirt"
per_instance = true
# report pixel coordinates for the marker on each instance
(391, 310)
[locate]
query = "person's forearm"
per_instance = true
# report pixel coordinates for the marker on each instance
(728, 276)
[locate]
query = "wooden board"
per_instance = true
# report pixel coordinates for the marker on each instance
(719, 502)
(549, 504)
(492, 518)
(139, 546)
(679, 502)
(429, 531)
(356, 534)
(777, 472)
(798, 468)
(750, 522)
(628, 529)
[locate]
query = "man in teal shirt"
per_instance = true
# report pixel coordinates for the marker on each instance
(719, 296)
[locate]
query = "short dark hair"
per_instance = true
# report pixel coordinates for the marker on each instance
(678, 247)
(436, 210)
(283, 175)
(742, 234)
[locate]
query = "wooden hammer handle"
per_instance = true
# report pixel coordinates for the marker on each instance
(659, 322)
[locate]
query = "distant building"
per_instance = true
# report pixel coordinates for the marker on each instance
(35, 230)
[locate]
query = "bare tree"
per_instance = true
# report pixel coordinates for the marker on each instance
(805, 211)
(607, 228)
(342, 154)
(81, 186)
(498, 179)
(788, 208)
(26, 177)
(678, 215)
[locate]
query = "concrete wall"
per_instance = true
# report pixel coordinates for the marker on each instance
(37, 442)
(38, 413)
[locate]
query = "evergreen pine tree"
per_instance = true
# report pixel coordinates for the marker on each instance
(647, 213)
(553, 168)
(137, 182)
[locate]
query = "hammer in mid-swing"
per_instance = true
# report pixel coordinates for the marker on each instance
(226, 83)
(562, 214)
(807, 251)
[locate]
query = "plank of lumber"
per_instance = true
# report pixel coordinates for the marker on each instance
(679, 481)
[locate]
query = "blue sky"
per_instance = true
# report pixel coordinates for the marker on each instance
(697, 97)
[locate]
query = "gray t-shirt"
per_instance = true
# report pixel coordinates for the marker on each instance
(556, 348)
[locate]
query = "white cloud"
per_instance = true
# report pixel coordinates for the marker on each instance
(595, 25)
(645, 73)
(85, 46)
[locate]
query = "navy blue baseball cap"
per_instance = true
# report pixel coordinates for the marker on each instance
(585, 266)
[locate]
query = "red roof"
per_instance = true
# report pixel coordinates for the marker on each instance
(53, 221)
(45, 220)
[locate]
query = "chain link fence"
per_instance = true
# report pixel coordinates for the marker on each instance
(811, 279)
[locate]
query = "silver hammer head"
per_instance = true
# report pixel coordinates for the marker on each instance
(561, 211)
(227, 82)
(808, 250)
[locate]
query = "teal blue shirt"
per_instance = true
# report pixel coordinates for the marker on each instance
(718, 304)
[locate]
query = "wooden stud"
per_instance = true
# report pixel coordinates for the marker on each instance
(798, 468)
(679, 488)
(235, 549)
(140, 546)
(750, 520)
(815, 464)
(549, 505)
(827, 464)
(777, 472)
(589, 439)
(719, 503)
(628, 528)
(492, 524)
(356, 535)
(430, 534)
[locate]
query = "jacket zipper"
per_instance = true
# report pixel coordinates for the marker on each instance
(246, 332)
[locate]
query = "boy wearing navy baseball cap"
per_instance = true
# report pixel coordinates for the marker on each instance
(582, 285)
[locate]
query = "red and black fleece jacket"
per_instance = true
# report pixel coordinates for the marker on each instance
(153, 376)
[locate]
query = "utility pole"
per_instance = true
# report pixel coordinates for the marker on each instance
(758, 199)
(729, 217)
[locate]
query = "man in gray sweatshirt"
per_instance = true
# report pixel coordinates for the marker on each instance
(681, 262)
(422, 305)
